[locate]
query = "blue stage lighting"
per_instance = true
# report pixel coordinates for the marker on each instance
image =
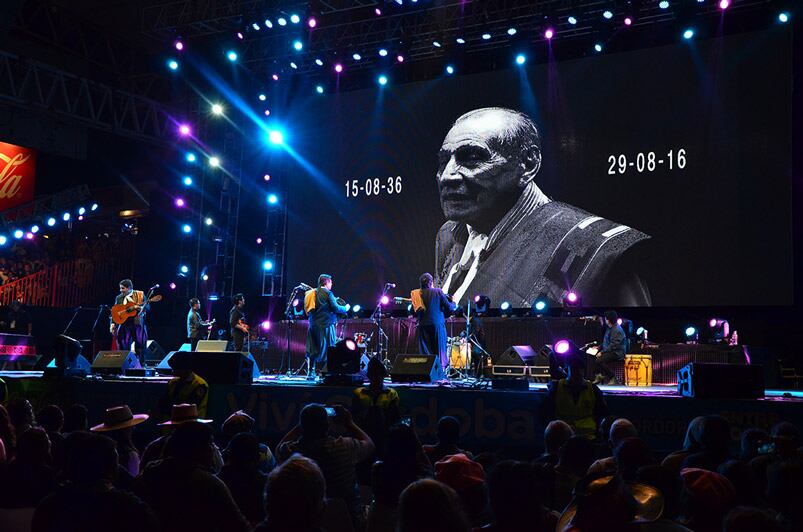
(783, 17)
(3, 240)
(94, 207)
(256, 26)
(521, 59)
(184, 269)
(598, 47)
(460, 40)
(511, 31)
(319, 62)
(187, 228)
(293, 65)
(298, 45)
(262, 97)
(607, 15)
(51, 222)
(18, 233)
(282, 21)
(383, 52)
(663, 4)
(449, 69)
(191, 158)
(356, 56)
(540, 305)
(66, 216)
(187, 181)
(382, 80)
(276, 137)
(232, 55)
(209, 221)
(690, 331)
(486, 36)
(688, 34)
(267, 265)
(436, 44)
(268, 23)
(295, 19)
(81, 211)
(319, 89)
(356, 308)
(504, 306)
(34, 229)
(273, 199)
(572, 20)
(172, 64)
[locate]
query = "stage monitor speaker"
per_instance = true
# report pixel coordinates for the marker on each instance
(164, 365)
(518, 355)
(153, 353)
(115, 362)
(343, 358)
(721, 381)
(416, 368)
(228, 367)
(211, 346)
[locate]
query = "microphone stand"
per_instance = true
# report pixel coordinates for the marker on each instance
(381, 337)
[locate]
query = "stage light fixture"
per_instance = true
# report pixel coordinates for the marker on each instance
(720, 329)
(51, 222)
(34, 229)
(628, 21)
(172, 286)
(217, 109)
(521, 59)
(240, 35)
(688, 34)
(482, 303)
(319, 89)
(282, 21)
(486, 36)
(205, 277)
(663, 4)
(187, 181)
(449, 69)
(298, 45)
(562, 347)
(549, 33)
(186, 228)
(66, 216)
(232, 55)
(18, 234)
(607, 15)
(178, 45)
(267, 265)
(598, 47)
(400, 58)
(209, 221)
(382, 80)
(29, 236)
(191, 158)
(184, 130)
(383, 52)
(214, 162)
(724, 4)
(295, 19)
(338, 68)
(256, 26)
(259, 240)
(275, 77)
(262, 97)
(460, 40)
(3, 240)
(511, 31)
(184, 269)
(539, 306)
(572, 299)
(436, 44)
(276, 137)
(356, 309)
(273, 199)
(319, 62)
(356, 56)
(94, 207)
(783, 18)
(268, 23)
(81, 211)
(384, 300)
(267, 112)
(312, 22)
(572, 20)
(378, 12)
(172, 64)
(179, 202)
(265, 325)
(690, 331)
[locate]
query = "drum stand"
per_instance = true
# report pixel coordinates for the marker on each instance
(462, 373)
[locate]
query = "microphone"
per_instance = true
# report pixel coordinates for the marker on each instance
(305, 286)
(154, 287)
(390, 285)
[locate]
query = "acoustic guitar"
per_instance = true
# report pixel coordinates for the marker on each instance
(120, 313)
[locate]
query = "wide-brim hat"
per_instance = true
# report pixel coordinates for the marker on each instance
(649, 502)
(118, 417)
(184, 413)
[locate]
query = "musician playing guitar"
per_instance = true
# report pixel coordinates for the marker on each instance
(195, 323)
(431, 306)
(239, 329)
(133, 329)
(322, 307)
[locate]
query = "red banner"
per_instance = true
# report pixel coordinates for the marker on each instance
(17, 175)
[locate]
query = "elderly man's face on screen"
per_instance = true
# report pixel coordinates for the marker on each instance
(473, 174)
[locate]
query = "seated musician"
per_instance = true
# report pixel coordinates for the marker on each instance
(431, 305)
(133, 330)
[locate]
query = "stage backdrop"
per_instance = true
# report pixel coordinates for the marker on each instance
(689, 145)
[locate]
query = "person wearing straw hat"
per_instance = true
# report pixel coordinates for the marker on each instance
(118, 424)
(179, 414)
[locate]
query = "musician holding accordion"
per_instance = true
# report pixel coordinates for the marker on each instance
(322, 307)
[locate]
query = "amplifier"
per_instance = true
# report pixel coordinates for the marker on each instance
(509, 371)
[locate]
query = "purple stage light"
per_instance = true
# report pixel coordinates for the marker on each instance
(378, 12)
(619, 321)
(724, 4)
(265, 325)
(29, 235)
(477, 298)
(275, 77)
(179, 45)
(351, 345)
(338, 68)
(400, 58)
(240, 35)
(628, 21)
(180, 202)
(384, 300)
(259, 240)
(712, 322)
(266, 177)
(172, 286)
(267, 112)
(312, 22)
(549, 33)
(562, 347)
(184, 129)
(572, 297)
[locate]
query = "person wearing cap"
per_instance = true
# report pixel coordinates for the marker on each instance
(375, 407)
(118, 424)
(575, 400)
(705, 498)
(467, 478)
(186, 387)
(179, 414)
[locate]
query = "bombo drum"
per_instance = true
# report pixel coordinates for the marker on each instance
(459, 353)
(638, 370)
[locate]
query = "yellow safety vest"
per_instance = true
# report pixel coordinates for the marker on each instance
(579, 415)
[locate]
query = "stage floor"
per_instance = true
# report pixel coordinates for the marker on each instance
(491, 419)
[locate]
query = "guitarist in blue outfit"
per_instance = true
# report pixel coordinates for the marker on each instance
(133, 330)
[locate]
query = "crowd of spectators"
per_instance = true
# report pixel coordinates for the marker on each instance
(205, 474)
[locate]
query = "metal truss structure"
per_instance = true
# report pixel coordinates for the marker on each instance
(29, 84)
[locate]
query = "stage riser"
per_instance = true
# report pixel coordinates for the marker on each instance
(492, 420)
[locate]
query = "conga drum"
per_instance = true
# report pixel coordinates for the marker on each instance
(459, 353)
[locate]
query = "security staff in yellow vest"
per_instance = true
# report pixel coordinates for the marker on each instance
(575, 400)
